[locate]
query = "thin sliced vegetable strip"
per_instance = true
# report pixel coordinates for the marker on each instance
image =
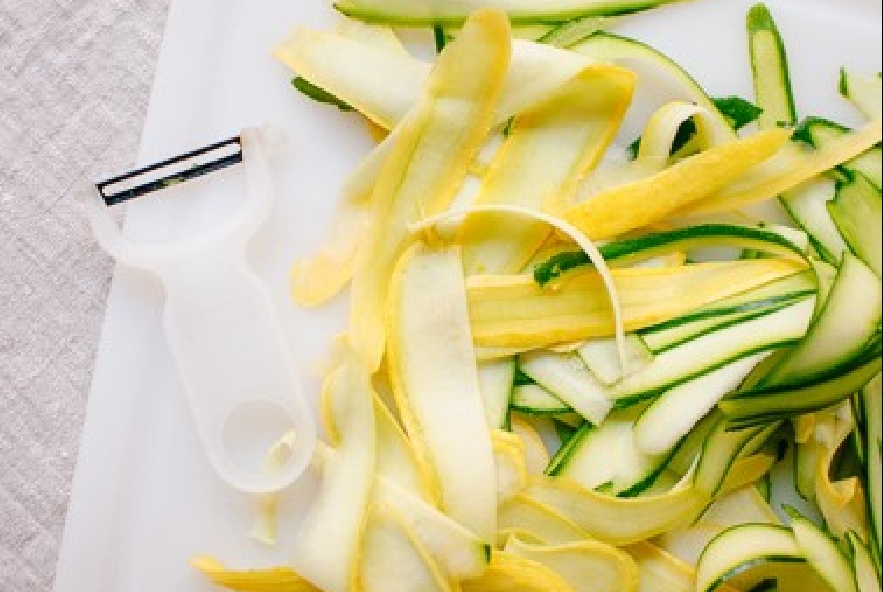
(348, 68)
(631, 251)
(548, 150)
(344, 66)
(508, 572)
(433, 372)
(513, 311)
(610, 47)
(428, 162)
(787, 170)
(458, 552)
(394, 560)
(658, 147)
(618, 521)
(587, 565)
(650, 200)
(276, 579)
(317, 279)
(396, 459)
(441, 12)
(327, 548)
(337, 64)
(842, 503)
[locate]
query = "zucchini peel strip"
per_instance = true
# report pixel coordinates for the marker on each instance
(441, 12)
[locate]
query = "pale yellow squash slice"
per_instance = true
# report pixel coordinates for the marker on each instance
(788, 169)
(277, 579)
(746, 471)
(432, 368)
(588, 566)
(536, 455)
(396, 460)
(513, 311)
(458, 551)
(842, 503)
(510, 464)
(657, 141)
(507, 573)
(652, 199)
(615, 520)
(427, 163)
(548, 151)
(523, 513)
(327, 545)
(393, 560)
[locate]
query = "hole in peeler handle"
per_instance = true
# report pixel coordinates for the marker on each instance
(264, 447)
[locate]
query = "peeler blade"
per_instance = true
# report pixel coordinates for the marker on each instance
(171, 171)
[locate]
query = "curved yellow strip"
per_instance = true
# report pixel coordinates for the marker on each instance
(588, 566)
(433, 372)
(615, 520)
(326, 551)
(803, 427)
(657, 141)
(842, 503)
(523, 513)
(507, 573)
(276, 579)
(396, 459)
(513, 311)
(510, 463)
(662, 572)
(317, 279)
(427, 162)
(536, 455)
(548, 151)
(746, 471)
(790, 168)
(391, 553)
(326, 60)
(651, 200)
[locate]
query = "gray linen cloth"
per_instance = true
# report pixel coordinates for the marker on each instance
(75, 78)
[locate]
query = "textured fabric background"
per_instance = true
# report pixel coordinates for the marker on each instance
(75, 79)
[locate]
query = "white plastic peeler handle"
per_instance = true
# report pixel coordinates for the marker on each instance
(224, 334)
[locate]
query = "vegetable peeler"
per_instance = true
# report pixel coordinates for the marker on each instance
(219, 317)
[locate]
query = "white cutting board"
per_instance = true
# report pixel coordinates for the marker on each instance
(144, 499)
